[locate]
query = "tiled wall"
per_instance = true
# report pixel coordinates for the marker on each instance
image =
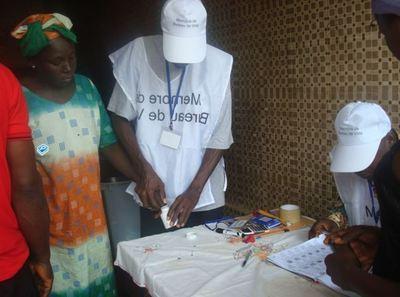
(296, 63)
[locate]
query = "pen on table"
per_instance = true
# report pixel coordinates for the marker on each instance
(229, 232)
(247, 258)
(267, 214)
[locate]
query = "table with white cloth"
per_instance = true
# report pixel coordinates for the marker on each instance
(171, 265)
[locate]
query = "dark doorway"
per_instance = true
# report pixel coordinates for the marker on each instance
(101, 26)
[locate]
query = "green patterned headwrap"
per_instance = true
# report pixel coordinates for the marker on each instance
(36, 31)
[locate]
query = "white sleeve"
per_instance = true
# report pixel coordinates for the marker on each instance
(121, 105)
(222, 135)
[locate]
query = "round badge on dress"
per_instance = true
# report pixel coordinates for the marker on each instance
(42, 149)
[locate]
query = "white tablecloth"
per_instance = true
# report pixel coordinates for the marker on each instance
(170, 265)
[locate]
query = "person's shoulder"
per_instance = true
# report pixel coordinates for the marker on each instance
(396, 161)
(4, 70)
(143, 39)
(212, 50)
(9, 85)
(133, 49)
(151, 38)
(82, 80)
(7, 76)
(84, 83)
(218, 59)
(133, 44)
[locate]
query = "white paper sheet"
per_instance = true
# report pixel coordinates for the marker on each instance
(308, 259)
(131, 191)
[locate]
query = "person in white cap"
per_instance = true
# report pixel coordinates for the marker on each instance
(360, 205)
(171, 107)
(368, 146)
(357, 194)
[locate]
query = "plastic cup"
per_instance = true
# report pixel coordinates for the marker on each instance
(164, 213)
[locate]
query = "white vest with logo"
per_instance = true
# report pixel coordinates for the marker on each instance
(196, 115)
(359, 198)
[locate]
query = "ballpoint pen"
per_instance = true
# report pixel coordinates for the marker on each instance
(267, 214)
(247, 258)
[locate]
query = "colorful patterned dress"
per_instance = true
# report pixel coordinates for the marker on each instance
(67, 138)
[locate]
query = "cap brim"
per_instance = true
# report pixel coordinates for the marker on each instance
(353, 158)
(184, 50)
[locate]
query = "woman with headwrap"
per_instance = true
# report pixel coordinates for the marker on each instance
(69, 126)
(360, 244)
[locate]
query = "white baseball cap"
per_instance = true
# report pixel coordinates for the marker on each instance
(360, 127)
(184, 23)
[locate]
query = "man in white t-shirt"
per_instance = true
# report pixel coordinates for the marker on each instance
(171, 109)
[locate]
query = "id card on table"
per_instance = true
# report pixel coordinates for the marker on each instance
(170, 139)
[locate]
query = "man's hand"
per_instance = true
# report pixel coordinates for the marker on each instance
(149, 186)
(366, 246)
(43, 276)
(341, 265)
(182, 207)
(345, 236)
(363, 240)
(150, 189)
(322, 226)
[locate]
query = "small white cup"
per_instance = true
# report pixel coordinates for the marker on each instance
(164, 213)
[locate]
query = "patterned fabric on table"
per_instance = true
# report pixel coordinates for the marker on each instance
(67, 138)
